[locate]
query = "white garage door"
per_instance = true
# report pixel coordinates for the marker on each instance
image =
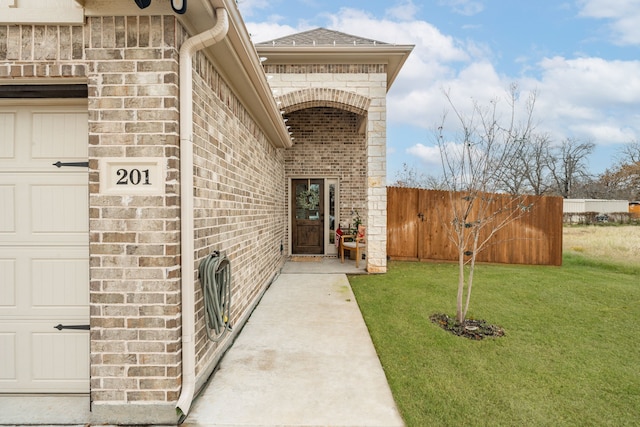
(44, 248)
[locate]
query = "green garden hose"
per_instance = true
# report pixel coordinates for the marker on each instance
(215, 279)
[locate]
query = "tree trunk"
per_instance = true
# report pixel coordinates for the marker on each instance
(459, 313)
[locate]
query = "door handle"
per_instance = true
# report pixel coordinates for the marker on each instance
(60, 327)
(59, 164)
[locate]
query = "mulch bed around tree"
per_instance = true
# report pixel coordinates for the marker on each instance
(475, 329)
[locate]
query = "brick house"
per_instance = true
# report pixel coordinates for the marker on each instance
(109, 113)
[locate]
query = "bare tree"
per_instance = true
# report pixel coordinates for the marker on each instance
(630, 153)
(569, 165)
(622, 181)
(513, 180)
(528, 171)
(536, 170)
(628, 170)
(411, 178)
(474, 170)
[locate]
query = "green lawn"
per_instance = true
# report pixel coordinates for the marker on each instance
(571, 354)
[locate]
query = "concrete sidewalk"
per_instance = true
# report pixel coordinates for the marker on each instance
(304, 358)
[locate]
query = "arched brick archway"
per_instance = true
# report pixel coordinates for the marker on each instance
(323, 97)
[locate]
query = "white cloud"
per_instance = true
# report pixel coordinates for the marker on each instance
(249, 7)
(623, 17)
(428, 155)
(430, 43)
(425, 104)
(464, 7)
(605, 132)
(405, 11)
(431, 158)
(270, 30)
(593, 80)
(591, 97)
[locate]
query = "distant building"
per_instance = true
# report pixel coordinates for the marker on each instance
(592, 210)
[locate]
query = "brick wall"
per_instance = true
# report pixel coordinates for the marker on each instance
(328, 144)
(240, 197)
(28, 51)
(130, 65)
(359, 88)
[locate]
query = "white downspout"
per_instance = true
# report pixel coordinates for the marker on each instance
(188, 49)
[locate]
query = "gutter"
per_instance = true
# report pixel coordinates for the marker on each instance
(187, 51)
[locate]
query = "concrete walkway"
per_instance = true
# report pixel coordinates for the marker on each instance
(304, 358)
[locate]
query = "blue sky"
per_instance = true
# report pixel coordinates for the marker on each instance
(581, 57)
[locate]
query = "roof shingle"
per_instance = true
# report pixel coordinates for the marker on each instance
(321, 37)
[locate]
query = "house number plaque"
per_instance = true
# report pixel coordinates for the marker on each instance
(135, 176)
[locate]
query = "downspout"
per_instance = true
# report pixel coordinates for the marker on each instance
(187, 51)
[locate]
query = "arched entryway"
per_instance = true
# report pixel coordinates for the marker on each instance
(326, 167)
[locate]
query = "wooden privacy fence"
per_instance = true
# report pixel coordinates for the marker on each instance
(417, 223)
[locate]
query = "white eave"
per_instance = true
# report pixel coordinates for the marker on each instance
(394, 56)
(240, 65)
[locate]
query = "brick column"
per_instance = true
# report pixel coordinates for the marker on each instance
(134, 239)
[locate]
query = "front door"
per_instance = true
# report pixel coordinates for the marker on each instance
(307, 228)
(44, 248)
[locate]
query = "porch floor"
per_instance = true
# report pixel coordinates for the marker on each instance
(301, 264)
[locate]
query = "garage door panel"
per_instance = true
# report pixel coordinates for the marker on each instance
(54, 209)
(59, 135)
(43, 359)
(8, 356)
(8, 208)
(44, 208)
(56, 355)
(36, 136)
(44, 281)
(55, 283)
(8, 280)
(7, 141)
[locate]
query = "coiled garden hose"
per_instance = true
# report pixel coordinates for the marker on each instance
(215, 278)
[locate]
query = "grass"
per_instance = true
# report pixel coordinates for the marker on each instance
(617, 244)
(571, 353)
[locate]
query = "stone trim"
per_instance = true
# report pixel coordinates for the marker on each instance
(324, 97)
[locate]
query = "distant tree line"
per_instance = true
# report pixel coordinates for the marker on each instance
(537, 166)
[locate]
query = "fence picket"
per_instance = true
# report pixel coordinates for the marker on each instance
(417, 229)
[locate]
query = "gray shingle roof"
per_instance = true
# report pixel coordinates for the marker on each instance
(321, 37)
